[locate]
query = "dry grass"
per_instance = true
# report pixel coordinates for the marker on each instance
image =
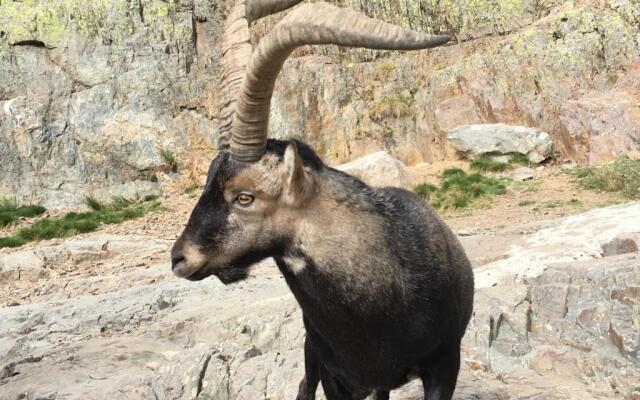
(621, 175)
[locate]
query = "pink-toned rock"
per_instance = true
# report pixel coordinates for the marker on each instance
(606, 124)
(623, 244)
(554, 360)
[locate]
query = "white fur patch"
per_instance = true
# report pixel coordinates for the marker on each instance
(295, 264)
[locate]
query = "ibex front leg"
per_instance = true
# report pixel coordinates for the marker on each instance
(311, 379)
(381, 395)
(440, 373)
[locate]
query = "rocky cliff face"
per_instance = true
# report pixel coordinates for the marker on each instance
(92, 92)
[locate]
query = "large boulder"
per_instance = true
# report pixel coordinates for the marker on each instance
(501, 139)
(379, 169)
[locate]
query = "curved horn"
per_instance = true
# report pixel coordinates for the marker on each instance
(257, 9)
(236, 53)
(317, 23)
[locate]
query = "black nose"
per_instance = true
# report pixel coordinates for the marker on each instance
(175, 260)
(177, 256)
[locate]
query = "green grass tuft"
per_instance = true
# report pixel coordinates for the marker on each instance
(120, 210)
(520, 159)
(553, 204)
(11, 211)
(621, 175)
(93, 203)
(11, 242)
(170, 160)
(425, 190)
(459, 190)
(484, 163)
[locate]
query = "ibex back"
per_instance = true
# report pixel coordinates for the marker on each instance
(385, 288)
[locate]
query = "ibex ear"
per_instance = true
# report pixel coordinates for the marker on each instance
(297, 184)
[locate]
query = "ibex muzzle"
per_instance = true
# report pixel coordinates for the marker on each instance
(385, 288)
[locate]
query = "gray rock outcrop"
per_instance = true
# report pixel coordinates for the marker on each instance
(501, 140)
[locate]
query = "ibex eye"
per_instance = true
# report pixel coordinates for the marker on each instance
(244, 199)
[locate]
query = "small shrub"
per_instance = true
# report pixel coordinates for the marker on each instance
(484, 163)
(120, 210)
(621, 175)
(11, 211)
(170, 160)
(459, 190)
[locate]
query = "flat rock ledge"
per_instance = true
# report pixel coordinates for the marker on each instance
(554, 319)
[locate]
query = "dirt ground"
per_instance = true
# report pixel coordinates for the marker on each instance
(549, 195)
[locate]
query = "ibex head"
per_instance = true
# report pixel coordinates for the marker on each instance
(258, 190)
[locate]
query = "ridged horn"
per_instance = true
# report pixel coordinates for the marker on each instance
(257, 9)
(236, 54)
(309, 24)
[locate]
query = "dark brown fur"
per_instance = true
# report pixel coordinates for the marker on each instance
(385, 288)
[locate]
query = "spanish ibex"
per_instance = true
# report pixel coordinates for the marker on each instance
(385, 288)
